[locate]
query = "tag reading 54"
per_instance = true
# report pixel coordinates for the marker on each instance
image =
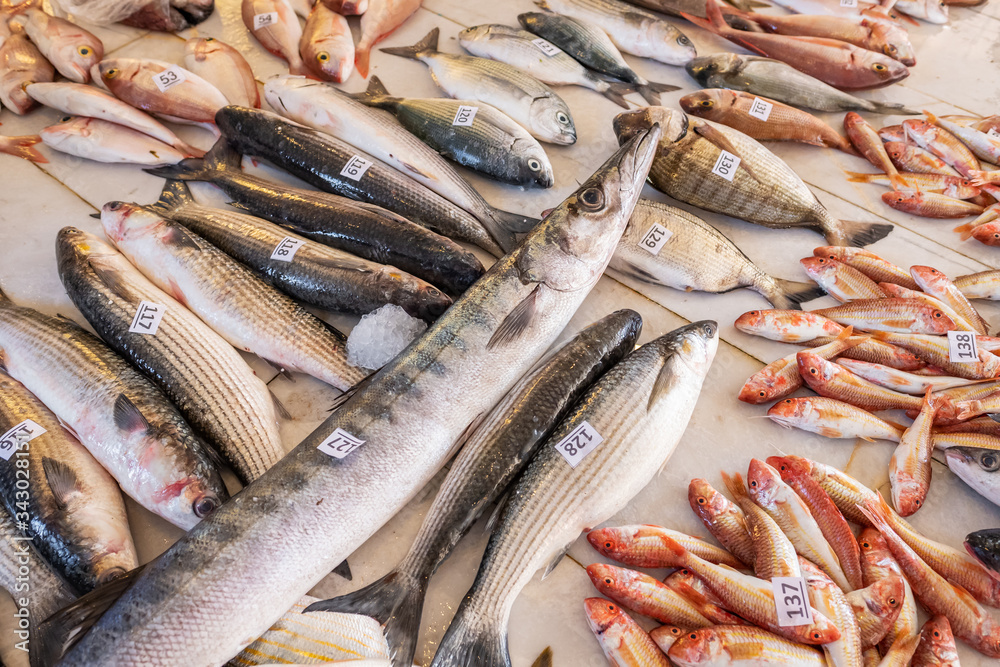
(24, 432)
(791, 599)
(581, 441)
(962, 347)
(264, 20)
(726, 165)
(339, 444)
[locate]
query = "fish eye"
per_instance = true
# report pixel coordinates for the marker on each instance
(322, 56)
(937, 634)
(989, 462)
(879, 67)
(763, 393)
(708, 104)
(84, 51)
(608, 545)
(65, 119)
(890, 49)
(866, 545)
(817, 636)
(611, 607)
(592, 198)
(996, 235)
(788, 400)
(693, 635)
(210, 39)
(111, 73)
(892, 603)
(609, 580)
(701, 501)
(562, 118)
(675, 631)
(205, 506)
(534, 165)
(683, 40)
(918, 503)
(937, 313)
(813, 371)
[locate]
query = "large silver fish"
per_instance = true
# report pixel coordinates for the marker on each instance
(235, 576)
(617, 438)
(977, 467)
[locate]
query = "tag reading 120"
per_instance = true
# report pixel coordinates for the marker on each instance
(147, 318)
(962, 347)
(169, 78)
(465, 116)
(581, 441)
(791, 600)
(726, 165)
(654, 239)
(24, 432)
(339, 444)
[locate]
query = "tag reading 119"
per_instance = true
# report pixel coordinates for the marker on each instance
(791, 599)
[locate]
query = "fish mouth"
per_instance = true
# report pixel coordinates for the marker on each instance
(636, 159)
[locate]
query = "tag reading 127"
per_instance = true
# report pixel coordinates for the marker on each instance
(962, 347)
(339, 444)
(791, 599)
(581, 441)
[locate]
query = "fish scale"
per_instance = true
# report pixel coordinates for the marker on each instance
(49, 593)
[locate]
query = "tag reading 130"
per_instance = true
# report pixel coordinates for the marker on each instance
(791, 599)
(726, 165)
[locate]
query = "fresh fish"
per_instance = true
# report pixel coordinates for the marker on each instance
(78, 100)
(834, 381)
(494, 455)
(764, 190)
(492, 144)
(930, 205)
(360, 229)
(316, 274)
(984, 546)
(197, 369)
(983, 145)
(136, 82)
(982, 285)
(327, 46)
(379, 20)
(908, 158)
(125, 422)
(858, 13)
(633, 30)
(897, 380)
(159, 16)
(864, 138)
(70, 507)
(985, 229)
(877, 564)
(224, 67)
(23, 147)
(21, 65)
(643, 546)
(932, 11)
(904, 316)
(645, 595)
(910, 465)
(374, 131)
(783, 123)
(955, 187)
(776, 80)
(934, 350)
(740, 646)
(900, 652)
(832, 419)
(695, 256)
(239, 306)
(971, 439)
(841, 281)
(941, 143)
(274, 24)
(528, 101)
(622, 640)
(827, 597)
(347, 7)
(936, 284)
(977, 467)
(869, 264)
(444, 380)
(877, 607)
(834, 62)
(691, 588)
(982, 425)
(723, 518)
(666, 635)
(787, 326)
(592, 48)
(653, 390)
(103, 141)
(937, 645)
(775, 554)
(895, 291)
(517, 47)
(877, 352)
(70, 48)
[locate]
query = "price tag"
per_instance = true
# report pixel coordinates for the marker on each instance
(654, 239)
(761, 109)
(356, 168)
(465, 116)
(24, 432)
(147, 318)
(962, 347)
(726, 165)
(545, 47)
(339, 444)
(169, 78)
(581, 441)
(264, 20)
(848, 3)
(285, 251)
(993, 133)
(791, 599)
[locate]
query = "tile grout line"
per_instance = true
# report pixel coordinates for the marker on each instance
(75, 193)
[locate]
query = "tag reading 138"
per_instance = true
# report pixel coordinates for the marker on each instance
(791, 599)
(962, 347)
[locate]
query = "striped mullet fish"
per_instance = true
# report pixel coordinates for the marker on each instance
(234, 576)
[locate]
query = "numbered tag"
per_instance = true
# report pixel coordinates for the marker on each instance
(654, 239)
(285, 251)
(169, 78)
(761, 109)
(962, 347)
(339, 444)
(465, 116)
(993, 133)
(583, 440)
(791, 598)
(264, 20)
(24, 432)
(848, 3)
(545, 47)
(147, 318)
(726, 165)
(356, 168)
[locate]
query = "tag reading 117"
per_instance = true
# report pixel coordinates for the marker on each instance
(581, 441)
(147, 318)
(791, 599)
(962, 347)
(339, 444)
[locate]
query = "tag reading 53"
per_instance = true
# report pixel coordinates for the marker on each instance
(169, 78)
(581, 441)
(339, 444)
(791, 599)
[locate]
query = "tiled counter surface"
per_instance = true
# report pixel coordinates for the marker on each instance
(956, 73)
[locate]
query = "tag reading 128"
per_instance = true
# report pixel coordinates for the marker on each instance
(791, 599)
(581, 441)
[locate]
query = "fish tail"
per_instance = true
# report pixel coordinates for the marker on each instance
(174, 194)
(788, 294)
(23, 147)
(374, 94)
(502, 225)
(965, 230)
(856, 177)
(892, 108)
(396, 601)
(472, 642)
(428, 44)
(362, 58)
(222, 157)
(650, 91)
(851, 233)
(616, 92)
(898, 182)
(706, 24)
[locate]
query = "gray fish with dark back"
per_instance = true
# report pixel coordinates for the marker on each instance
(619, 435)
(234, 577)
(694, 7)
(984, 546)
(665, 245)
(494, 455)
(977, 467)
(208, 381)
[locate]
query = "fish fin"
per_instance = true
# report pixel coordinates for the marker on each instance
(344, 570)
(855, 177)
(515, 222)
(279, 407)
(651, 90)
(23, 147)
(891, 108)
(111, 279)
(721, 141)
(554, 563)
(174, 194)
(502, 225)
(396, 601)
(494, 518)
(223, 156)
(362, 59)
(517, 321)
(965, 230)
(789, 294)
(191, 169)
(734, 484)
(351, 391)
(666, 379)
(616, 92)
(128, 417)
(429, 44)
(705, 24)
(860, 234)
(179, 237)
(544, 658)
(61, 479)
(474, 641)
(898, 182)
(375, 92)
(334, 331)
(69, 429)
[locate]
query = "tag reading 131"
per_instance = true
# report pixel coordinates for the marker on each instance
(339, 444)
(761, 109)
(791, 599)
(581, 441)
(169, 78)
(147, 318)
(264, 20)
(24, 432)
(848, 3)
(465, 116)
(285, 251)
(654, 239)
(545, 47)
(726, 165)
(962, 347)
(356, 168)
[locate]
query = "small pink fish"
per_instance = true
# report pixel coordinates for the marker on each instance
(225, 68)
(327, 46)
(70, 48)
(787, 326)
(841, 281)
(622, 640)
(275, 25)
(381, 19)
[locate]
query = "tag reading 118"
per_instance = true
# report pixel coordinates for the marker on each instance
(791, 599)
(285, 251)
(581, 441)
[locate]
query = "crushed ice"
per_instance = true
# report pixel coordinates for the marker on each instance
(381, 335)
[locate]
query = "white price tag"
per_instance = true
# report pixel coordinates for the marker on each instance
(848, 3)
(581, 441)
(356, 168)
(962, 347)
(147, 318)
(726, 165)
(264, 20)
(169, 78)
(24, 432)
(545, 47)
(654, 239)
(993, 133)
(285, 251)
(761, 109)
(339, 444)
(465, 116)
(791, 599)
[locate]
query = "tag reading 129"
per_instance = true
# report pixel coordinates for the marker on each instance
(791, 599)
(652, 242)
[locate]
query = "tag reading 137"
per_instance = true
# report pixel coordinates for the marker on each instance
(962, 347)
(791, 599)
(339, 444)
(726, 165)
(581, 441)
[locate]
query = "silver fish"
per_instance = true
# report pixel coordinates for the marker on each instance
(102, 141)
(977, 467)
(664, 245)
(487, 463)
(284, 532)
(637, 413)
